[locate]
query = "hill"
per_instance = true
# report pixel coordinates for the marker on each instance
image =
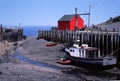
(113, 20)
(111, 24)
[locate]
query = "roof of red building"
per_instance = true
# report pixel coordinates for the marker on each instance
(66, 18)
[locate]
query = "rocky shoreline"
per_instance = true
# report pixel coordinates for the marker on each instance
(32, 51)
(4, 47)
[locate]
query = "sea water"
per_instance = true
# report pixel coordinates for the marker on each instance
(33, 30)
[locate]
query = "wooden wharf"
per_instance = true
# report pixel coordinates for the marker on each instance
(107, 41)
(11, 34)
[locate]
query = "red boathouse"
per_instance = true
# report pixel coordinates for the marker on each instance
(69, 22)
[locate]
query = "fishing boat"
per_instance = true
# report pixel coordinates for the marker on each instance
(89, 57)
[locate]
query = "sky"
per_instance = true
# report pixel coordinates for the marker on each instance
(48, 12)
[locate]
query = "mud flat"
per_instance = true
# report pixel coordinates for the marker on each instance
(32, 60)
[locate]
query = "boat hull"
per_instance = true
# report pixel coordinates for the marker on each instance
(95, 64)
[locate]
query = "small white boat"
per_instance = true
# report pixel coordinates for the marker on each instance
(89, 57)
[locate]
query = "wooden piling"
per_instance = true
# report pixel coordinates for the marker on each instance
(1, 32)
(12, 35)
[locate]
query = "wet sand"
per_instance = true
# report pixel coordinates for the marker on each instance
(32, 60)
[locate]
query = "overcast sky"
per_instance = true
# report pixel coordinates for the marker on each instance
(48, 12)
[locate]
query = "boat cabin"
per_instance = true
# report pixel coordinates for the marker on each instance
(84, 51)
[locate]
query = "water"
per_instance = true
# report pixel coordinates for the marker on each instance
(33, 62)
(33, 30)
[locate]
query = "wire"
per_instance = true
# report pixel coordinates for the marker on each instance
(114, 51)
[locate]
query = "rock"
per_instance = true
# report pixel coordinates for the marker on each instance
(4, 48)
(0, 72)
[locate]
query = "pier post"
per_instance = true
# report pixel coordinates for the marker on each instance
(88, 38)
(95, 40)
(91, 35)
(82, 37)
(1, 33)
(111, 51)
(119, 38)
(103, 43)
(107, 42)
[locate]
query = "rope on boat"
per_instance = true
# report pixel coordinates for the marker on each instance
(114, 52)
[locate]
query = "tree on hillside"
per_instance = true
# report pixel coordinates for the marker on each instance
(113, 20)
(110, 20)
(116, 19)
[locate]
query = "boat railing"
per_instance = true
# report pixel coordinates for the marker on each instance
(90, 52)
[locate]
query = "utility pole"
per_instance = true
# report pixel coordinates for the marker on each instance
(76, 16)
(89, 16)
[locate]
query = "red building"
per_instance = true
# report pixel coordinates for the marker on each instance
(69, 22)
